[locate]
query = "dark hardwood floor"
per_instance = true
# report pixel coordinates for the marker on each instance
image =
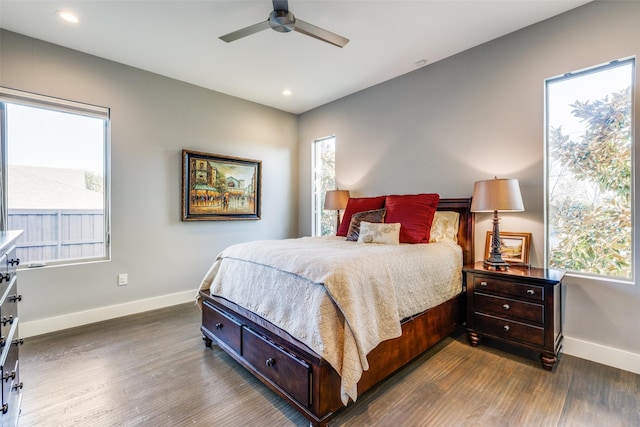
(152, 369)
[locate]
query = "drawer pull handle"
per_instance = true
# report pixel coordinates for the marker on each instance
(17, 342)
(6, 320)
(483, 283)
(270, 362)
(219, 325)
(17, 386)
(8, 376)
(5, 408)
(15, 261)
(15, 298)
(506, 306)
(4, 277)
(506, 328)
(530, 292)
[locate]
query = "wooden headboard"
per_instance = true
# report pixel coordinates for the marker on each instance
(466, 226)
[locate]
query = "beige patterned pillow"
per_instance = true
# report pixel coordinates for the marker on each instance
(376, 215)
(387, 234)
(444, 226)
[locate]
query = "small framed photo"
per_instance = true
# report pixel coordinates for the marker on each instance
(514, 247)
(218, 187)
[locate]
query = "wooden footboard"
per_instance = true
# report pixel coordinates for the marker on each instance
(300, 376)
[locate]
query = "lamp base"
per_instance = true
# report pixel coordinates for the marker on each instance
(495, 261)
(495, 265)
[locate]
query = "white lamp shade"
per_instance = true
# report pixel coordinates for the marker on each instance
(498, 194)
(336, 200)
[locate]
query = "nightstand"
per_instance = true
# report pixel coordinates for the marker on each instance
(520, 306)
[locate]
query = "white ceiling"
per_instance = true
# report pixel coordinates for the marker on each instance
(179, 39)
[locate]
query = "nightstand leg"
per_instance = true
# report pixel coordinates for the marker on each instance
(548, 360)
(473, 338)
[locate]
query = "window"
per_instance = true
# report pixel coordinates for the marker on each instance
(324, 178)
(54, 180)
(589, 171)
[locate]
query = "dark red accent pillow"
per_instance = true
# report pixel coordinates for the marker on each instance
(355, 205)
(415, 214)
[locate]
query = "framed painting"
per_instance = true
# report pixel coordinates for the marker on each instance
(218, 187)
(514, 247)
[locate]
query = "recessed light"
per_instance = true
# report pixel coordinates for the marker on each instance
(67, 16)
(287, 92)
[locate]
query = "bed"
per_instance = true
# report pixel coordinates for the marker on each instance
(298, 363)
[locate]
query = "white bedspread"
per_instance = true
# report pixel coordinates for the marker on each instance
(339, 298)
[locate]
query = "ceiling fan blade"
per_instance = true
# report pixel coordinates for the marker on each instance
(245, 31)
(320, 33)
(281, 5)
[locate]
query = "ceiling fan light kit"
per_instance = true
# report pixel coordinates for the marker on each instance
(283, 21)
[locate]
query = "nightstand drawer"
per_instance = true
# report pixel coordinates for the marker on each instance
(509, 308)
(489, 284)
(225, 328)
(508, 329)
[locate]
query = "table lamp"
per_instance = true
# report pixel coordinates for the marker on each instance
(496, 195)
(336, 200)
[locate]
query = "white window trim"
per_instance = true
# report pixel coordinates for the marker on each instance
(58, 104)
(584, 277)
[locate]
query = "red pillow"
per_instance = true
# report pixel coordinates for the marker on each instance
(415, 214)
(355, 205)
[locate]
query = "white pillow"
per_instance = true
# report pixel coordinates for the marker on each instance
(387, 234)
(444, 226)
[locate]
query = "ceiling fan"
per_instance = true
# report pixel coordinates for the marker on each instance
(283, 21)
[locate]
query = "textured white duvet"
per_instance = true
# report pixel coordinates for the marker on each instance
(339, 298)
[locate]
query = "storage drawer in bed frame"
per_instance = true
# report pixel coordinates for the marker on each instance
(282, 368)
(300, 376)
(226, 329)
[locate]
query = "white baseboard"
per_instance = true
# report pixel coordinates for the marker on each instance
(598, 353)
(71, 320)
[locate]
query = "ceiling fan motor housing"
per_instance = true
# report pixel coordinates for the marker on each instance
(282, 21)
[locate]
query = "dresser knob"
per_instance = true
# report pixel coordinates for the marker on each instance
(506, 306)
(530, 292)
(483, 283)
(270, 362)
(506, 328)
(219, 325)
(8, 376)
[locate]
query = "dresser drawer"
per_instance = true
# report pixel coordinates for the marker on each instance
(225, 328)
(489, 284)
(509, 308)
(12, 408)
(509, 329)
(9, 363)
(5, 274)
(288, 372)
(8, 307)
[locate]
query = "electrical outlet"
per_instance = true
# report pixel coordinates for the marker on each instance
(123, 279)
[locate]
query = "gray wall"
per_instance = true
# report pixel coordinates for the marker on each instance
(152, 119)
(476, 115)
